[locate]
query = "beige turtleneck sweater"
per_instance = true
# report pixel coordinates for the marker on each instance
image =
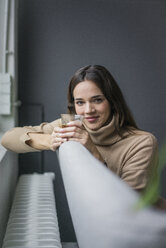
(131, 158)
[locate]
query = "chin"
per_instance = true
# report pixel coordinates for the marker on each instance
(93, 127)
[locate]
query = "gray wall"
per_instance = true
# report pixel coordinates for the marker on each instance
(56, 37)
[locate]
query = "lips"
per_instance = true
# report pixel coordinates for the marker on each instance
(91, 119)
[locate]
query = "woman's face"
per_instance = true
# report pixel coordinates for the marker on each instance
(90, 102)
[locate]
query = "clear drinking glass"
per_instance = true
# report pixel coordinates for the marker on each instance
(66, 118)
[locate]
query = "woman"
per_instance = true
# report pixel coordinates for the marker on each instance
(109, 131)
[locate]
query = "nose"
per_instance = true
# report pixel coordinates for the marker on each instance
(89, 108)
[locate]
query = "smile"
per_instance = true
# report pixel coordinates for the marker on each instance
(92, 119)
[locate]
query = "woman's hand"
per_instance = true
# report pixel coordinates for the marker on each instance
(74, 132)
(56, 139)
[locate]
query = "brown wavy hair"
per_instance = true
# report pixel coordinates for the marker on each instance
(109, 87)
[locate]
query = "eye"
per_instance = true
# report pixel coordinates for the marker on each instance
(98, 100)
(79, 103)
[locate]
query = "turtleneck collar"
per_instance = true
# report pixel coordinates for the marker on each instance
(106, 135)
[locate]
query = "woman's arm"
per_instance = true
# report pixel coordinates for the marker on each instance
(141, 162)
(29, 138)
(39, 141)
(43, 141)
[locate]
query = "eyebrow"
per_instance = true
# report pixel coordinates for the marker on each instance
(93, 97)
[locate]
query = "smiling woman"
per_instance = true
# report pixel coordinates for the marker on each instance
(98, 80)
(108, 131)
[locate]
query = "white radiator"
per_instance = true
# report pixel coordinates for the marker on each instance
(33, 219)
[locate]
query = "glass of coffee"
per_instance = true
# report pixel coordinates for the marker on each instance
(66, 118)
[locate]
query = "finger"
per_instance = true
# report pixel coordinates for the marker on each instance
(70, 135)
(55, 146)
(57, 129)
(57, 133)
(54, 135)
(71, 129)
(56, 140)
(56, 143)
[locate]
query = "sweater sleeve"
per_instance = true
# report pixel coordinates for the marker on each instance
(15, 139)
(140, 162)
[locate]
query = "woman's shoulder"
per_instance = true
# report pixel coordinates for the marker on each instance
(144, 134)
(137, 136)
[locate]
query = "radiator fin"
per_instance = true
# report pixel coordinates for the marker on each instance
(33, 219)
